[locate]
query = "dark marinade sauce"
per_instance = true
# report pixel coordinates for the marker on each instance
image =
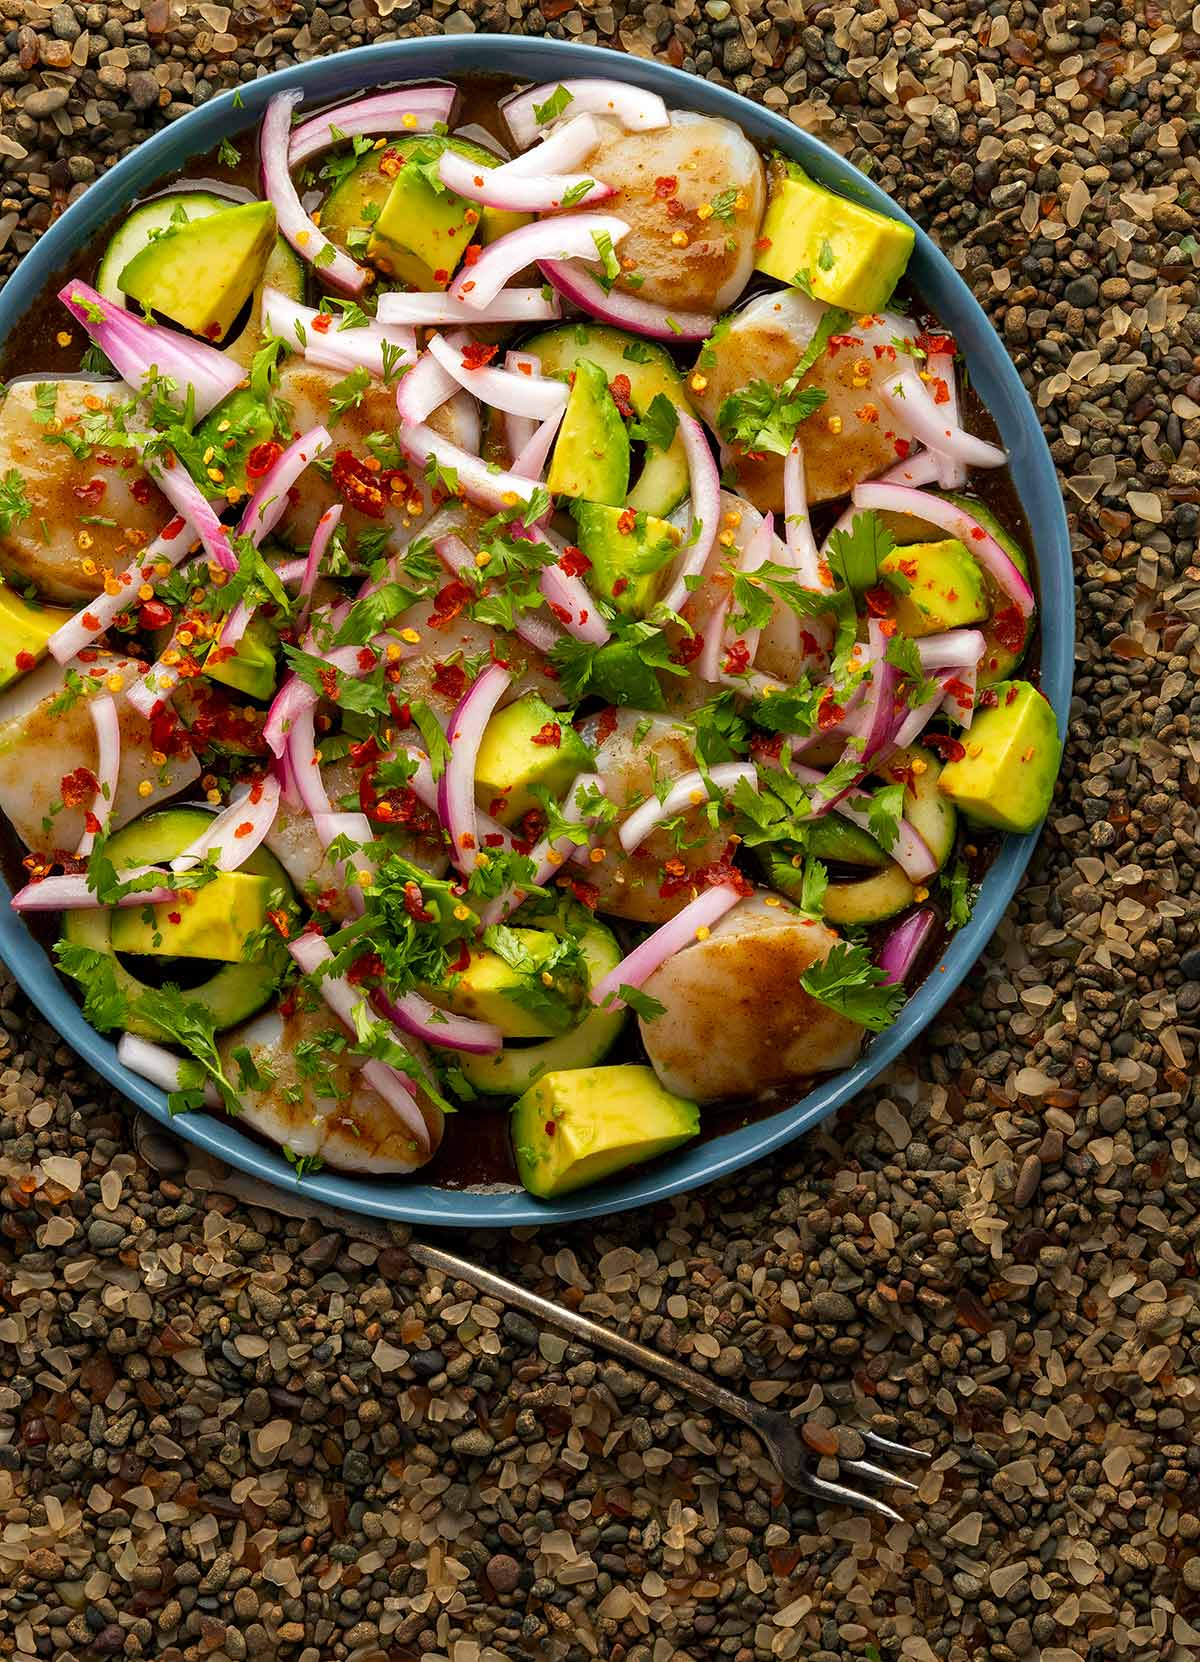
(476, 1150)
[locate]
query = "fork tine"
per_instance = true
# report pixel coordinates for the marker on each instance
(837, 1494)
(875, 1474)
(885, 1445)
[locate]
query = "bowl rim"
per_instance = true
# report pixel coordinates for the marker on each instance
(992, 371)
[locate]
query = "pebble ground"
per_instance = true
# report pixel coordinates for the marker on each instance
(225, 1434)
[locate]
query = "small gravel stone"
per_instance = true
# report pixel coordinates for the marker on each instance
(503, 1572)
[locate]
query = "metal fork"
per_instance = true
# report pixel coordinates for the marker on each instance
(777, 1432)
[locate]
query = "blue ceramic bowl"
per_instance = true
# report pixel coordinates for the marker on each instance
(992, 374)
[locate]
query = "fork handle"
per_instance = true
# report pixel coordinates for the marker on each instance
(685, 1379)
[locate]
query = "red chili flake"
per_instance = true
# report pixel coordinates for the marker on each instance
(497, 806)
(175, 917)
(562, 613)
(91, 823)
(950, 750)
(771, 747)
(573, 561)
(902, 448)
(1008, 626)
(256, 790)
(887, 626)
(934, 344)
(448, 603)
(370, 967)
(676, 210)
(493, 839)
(154, 614)
(762, 245)
(25, 660)
(356, 483)
(414, 904)
(168, 734)
(365, 659)
(279, 921)
(1010, 696)
(707, 877)
(587, 894)
(885, 351)
(962, 694)
(666, 186)
(245, 828)
(328, 677)
(391, 162)
(470, 254)
(737, 659)
(810, 645)
(477, 354)
(262, 459)
(550, 1128)
(90, 493)
(619, 587)
(450, 680)
(467, 287)
(401, 713)
(837, 342)
(606, 724)
(988, 699)
(550, 733)
(880, 601)
(323, 322)
(141, 490)
(626, 521)
(688, 651)
(462, 962)
(829, 713)
(621, 389)
(104, 458)
(78, 787)
(908, 568)
(504, 663)
(90, 621)
(941, 392)
(325, 900)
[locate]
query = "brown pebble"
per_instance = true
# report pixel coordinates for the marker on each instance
(503, 1572)
(822, 1439)
(1028, 1180)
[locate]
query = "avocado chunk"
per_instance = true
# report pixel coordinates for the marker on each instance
(628, 551)
(25, 627)
(216, 923)
(228, 433)
(1006, 632)
(945, 588)
(1005, 776)
(591, 453)
(529, 984)
(582, 1125)
(201, 272)
(250, 668)
(843, 253)
(526, 746)
(662, 483)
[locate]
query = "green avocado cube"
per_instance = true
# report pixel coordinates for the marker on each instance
(526, 746)
(582, 1125)
(250, 668)
(421, 232)
(1011, 752)
(591, 453)
(843, 253)
(25, 628)
(228, 433)
(215, 923)
(516, 991)
(628, 551)
(201, 272)
(939, 586)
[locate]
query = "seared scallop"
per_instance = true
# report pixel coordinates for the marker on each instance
(636, 755)
(394, 494)
(47, 733)
(314, 1101)
(90, 508)
(693, 196)
(852, 436)
(736, 1021)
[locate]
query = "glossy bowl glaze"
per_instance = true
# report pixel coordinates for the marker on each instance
(993, 376)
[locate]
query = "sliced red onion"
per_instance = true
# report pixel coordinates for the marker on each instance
(533, 396)
(906, 393)
(625, 311)
(952, 475)
(682, 931)
(310, 952)
(295, 226)
(757, 550)
(705, 511)
(921, 469)
(186, 497)
(424, 389)
(321, 538)
(535, 631)
(466, 426)
(690, 791)
(797, 523)
(910, 851)
(959, 685)
(530, 462)
(406, 110)
(569, 598)
(105, 720)
(900, 951)
(637, 110)
(69, 892)
(565, 148)
(153, 1062)
(475, 479)
(952, 646)
(566, 237)
(519, 429)
(168, 548)
(330, 346)
(512, 192)
(268, 505)
(355, 826)
(882, 715)
(136, 348)
(456, 788)
(416, 1016)
(237, 831)
(509, 306)
(914, 722)
(306, 765)
(956, 522)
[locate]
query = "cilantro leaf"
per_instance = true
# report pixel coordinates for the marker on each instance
(856, 555)
(649, 1009)
(433, 734)
(14, 504)
(659, 425)
(814, 880)
(761, 417)
(885, 813)
(553, 106)
(850, 982)
(959, 888)
(190, 1025)
(104, 1004)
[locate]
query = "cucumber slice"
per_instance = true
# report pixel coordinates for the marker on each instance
(235, 991)
(137, 229)
(511, 1071)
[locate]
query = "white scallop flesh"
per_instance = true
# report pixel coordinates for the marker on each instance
(39, 746)
(736, 1021)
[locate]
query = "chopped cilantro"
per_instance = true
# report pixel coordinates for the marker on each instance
(959, 887)
(885, 813)
(762, 417)
(228, 153)
(14, 504)
(856, 555)
(553, 106)
(642, 1005)
(658, 426)
(850, 982)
